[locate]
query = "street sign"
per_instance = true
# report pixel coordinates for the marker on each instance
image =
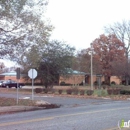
(32, 73)
(99, 75)
(18, 73)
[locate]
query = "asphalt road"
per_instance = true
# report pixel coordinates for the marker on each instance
(74, 114)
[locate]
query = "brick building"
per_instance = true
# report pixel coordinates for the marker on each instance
(75, 77)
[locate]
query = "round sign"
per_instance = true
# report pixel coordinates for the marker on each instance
(32, 73)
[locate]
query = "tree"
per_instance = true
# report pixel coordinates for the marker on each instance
(83, 62)
(20, 22)
(51, 60)
(122, 32)
(108, 49)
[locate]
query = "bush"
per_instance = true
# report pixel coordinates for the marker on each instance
(116, 91)
(81, 84)
(104, 93)
(82, 92)
(60, 91)
(38, 90)
(52, 90)
(62, 83)
(45, 90)
(95, 83)
(90, 92)
(96, 87)
(113, 91)
(103, 83)
(125, 92)
(113, 83)
(101, 92)
(75, 91)
(110, 91)
(65, 84)
(104, 87)
(69, 91)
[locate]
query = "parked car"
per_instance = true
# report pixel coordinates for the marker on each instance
(11, 83)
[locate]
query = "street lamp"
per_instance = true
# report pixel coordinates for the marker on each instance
(91, 66)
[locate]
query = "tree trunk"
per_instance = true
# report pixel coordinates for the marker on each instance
(107, 80)
(127, 80)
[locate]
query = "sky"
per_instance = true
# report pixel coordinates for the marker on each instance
(80, 22)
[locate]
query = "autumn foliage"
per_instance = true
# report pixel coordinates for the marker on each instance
(107, 50)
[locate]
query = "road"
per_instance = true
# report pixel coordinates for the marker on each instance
(74, 114)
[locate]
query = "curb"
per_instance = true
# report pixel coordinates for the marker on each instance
(12, 109)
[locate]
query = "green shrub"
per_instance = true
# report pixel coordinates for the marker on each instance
(101, 92)
(104, 93)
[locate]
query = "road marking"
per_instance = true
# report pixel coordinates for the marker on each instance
(92, 112)
(60, 116)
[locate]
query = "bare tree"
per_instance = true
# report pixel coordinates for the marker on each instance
(122, 31)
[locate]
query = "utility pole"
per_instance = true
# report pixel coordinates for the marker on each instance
(91, 66)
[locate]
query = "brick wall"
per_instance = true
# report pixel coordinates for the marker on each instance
(72, 79)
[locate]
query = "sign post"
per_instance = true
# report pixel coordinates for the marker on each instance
(99, 80)
(18, 77)
(32, 73)
(99, 76)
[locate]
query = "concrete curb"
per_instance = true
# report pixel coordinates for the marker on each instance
(11, 109)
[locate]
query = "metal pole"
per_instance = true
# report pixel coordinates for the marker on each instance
(91, 67)
(32, 85)
(17, 91)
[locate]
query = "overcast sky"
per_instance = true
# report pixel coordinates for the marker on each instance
(79, 22)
